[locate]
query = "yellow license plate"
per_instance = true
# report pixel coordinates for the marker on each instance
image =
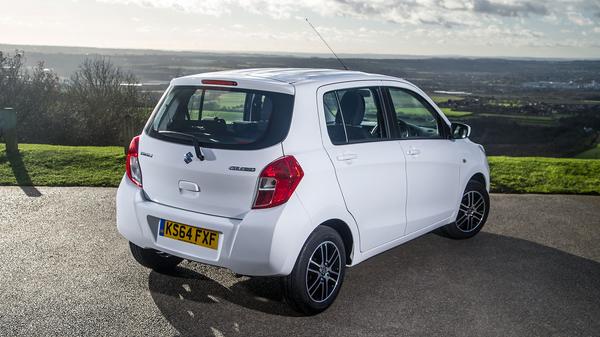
(190, 234)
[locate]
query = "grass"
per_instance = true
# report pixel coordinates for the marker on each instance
(50, 165)
(545, 175)
(422, 112)
(590, 154)
(455, 114)
(525, 119)
(445, 98)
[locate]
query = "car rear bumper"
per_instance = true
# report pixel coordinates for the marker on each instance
(265, 242)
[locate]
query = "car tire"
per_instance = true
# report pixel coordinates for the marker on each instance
(472, 214)
(315, 282)
(154, 259)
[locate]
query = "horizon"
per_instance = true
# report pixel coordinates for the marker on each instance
(422, 28)
(27, 48)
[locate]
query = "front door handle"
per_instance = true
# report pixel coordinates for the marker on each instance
(413, 152)
(347, 156)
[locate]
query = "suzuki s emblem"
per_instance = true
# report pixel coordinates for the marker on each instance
(188, 158)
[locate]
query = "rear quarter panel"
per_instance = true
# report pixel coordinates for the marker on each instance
(318, 191)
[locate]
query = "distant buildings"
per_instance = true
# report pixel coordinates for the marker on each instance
(571, 85)
(454, 93)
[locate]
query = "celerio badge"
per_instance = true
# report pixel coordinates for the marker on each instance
(241, 168)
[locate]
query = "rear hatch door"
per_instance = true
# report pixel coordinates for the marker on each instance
(239, 131)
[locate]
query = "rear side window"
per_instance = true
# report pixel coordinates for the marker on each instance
(224, 117)
(354, 115)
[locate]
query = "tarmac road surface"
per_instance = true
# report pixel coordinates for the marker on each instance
(533, 271)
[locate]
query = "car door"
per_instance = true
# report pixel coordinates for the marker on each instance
(432, 161)
(370, 171)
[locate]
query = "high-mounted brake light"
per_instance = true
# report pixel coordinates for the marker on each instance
(219, 82)
(133, 169)
(277, 182)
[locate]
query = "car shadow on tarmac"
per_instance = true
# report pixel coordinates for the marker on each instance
(489, 285)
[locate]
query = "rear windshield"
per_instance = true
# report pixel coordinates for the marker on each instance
(228, 118)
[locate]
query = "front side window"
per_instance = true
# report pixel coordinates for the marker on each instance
(354, 115)
(225, 118)
(414, 118)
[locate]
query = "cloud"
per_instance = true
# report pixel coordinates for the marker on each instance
(579, 19)
(393, 10)
(593, 7)
(524, 8)
(444, 13)
(208, 7)
(373, 8)
(437, 13)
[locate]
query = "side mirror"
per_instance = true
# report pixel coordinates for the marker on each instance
(460, 131)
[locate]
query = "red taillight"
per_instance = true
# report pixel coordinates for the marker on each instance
(277, 182)
(134, 172)
(219, 82)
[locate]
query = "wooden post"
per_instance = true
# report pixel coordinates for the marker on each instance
(8, 129)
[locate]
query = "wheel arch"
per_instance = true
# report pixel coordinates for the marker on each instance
(476, 174)
(344, 231)
(478, 177)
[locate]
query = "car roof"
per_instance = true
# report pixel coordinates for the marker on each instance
(282, 79)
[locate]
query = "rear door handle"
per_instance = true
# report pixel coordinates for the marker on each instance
(347, 156)
(413, 152)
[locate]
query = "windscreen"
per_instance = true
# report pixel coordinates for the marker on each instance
(228, 118)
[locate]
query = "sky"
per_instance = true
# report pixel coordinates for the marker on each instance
(487, 28)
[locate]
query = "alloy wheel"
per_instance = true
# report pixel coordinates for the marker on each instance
(323, 271)
(471, 212)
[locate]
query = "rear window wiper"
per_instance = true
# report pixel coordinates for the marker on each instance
(194, 139)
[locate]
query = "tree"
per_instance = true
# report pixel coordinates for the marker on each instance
(39, 120)
(100, 105)
(11, 78)
(104, 101)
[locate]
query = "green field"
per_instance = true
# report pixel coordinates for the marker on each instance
(545, 175)
(422, 112)
(445, 98)
(525, 119)
(455, 114)
(590, 154)
(50, 165)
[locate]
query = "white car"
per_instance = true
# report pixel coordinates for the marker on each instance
(297, 173)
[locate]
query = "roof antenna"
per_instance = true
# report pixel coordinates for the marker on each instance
(325, 42)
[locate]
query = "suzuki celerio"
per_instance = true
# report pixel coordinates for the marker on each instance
(297, 173)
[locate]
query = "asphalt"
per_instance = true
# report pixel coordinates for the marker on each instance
(533, 271)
